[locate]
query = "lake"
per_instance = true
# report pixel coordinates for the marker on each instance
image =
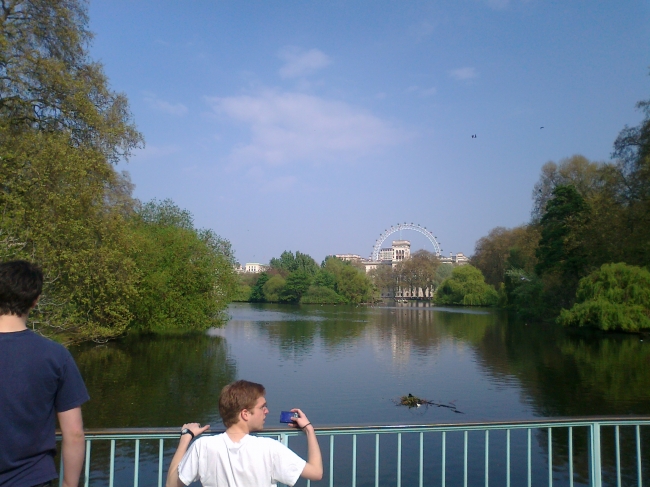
(346, 365)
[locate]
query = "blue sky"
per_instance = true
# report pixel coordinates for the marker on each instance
(315, 125)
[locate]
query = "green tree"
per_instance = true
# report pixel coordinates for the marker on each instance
(50, 84)
(466, 287)
(576, 171)
(615, 297)
(296, 285)
(257, 293)
(351, 283)
(187, 279)
(273, 287)
(291, 263)
(494, 253)
(53, 197)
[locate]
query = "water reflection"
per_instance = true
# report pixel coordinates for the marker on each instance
(346, 365)
(153, 381)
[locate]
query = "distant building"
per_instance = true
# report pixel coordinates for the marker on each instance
(349, 257)
(458, 259)
(255, 268)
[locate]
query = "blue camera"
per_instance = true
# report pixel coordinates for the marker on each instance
(287, 416)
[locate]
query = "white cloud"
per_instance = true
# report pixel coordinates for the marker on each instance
(299, 62)
(463, 74)
(164, 106)
(295, 127)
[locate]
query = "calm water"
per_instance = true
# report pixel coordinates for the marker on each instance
(348, 365)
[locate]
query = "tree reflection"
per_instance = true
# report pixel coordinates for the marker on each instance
(150, 381)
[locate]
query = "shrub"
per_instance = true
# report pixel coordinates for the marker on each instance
(615, 297)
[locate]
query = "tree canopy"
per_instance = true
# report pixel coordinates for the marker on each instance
(65, 206)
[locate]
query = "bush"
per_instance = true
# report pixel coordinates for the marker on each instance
(321, 295)
(466, 287)
(615, 297)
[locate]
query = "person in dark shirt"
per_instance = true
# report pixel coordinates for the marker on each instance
(39, 384)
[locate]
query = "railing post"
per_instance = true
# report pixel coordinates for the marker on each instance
(596, 478)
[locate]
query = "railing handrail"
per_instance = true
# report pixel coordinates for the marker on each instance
(529, 423)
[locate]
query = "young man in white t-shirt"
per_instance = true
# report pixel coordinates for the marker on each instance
(237, 459)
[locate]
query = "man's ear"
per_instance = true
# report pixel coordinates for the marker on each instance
(244, 414)
(35, 303)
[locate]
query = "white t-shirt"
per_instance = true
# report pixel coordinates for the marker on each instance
(216, 461)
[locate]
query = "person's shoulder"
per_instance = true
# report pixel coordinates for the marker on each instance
(41, 343)
(265, 442)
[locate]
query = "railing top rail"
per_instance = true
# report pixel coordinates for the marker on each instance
(534, 423)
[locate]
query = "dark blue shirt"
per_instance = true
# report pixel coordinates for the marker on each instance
(38, 378)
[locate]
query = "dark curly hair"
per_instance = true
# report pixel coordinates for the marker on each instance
(21, 283)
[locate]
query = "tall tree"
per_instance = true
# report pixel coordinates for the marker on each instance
(49, 83)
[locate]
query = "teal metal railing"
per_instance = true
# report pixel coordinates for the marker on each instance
(575, 452)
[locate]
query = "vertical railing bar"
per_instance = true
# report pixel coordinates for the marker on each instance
(421, 459)
(487, 457)
(111, 471)
(377, 460)
(465, 460)
(507, 458)
(570, 456)
(136, 466)
(530, 477)
(639, 472)
(86, 466)
(550, 457)
(331, 460)
(399, 459)
(61, 465)
(444, 458)
(354, 460)
(618, 456)
(597, 472)
(160, 462)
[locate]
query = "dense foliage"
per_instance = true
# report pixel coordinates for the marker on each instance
(467, 287)
(64, 206)
(299, 279)
(585, 216)
(615, 297)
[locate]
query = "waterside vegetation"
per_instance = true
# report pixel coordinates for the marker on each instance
(583, 258)
(112, 264)
(299, 279)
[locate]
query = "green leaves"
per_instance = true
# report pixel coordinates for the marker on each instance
(616, 297)
(466, 287)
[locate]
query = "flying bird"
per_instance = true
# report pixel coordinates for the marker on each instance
(541, 128)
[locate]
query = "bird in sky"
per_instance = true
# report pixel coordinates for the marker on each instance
(541, 128)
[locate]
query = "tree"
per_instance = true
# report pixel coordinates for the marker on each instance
(257, 293)
(186, 277)
(577, 171)
(53, 198)
(560, 245)
(290, 263)
(351, 282)
(466, 287)
(493, 253)
(296, 285)
(48, 83)
(384, 278)
(273, 287)
(615, 297)
(418, 272)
